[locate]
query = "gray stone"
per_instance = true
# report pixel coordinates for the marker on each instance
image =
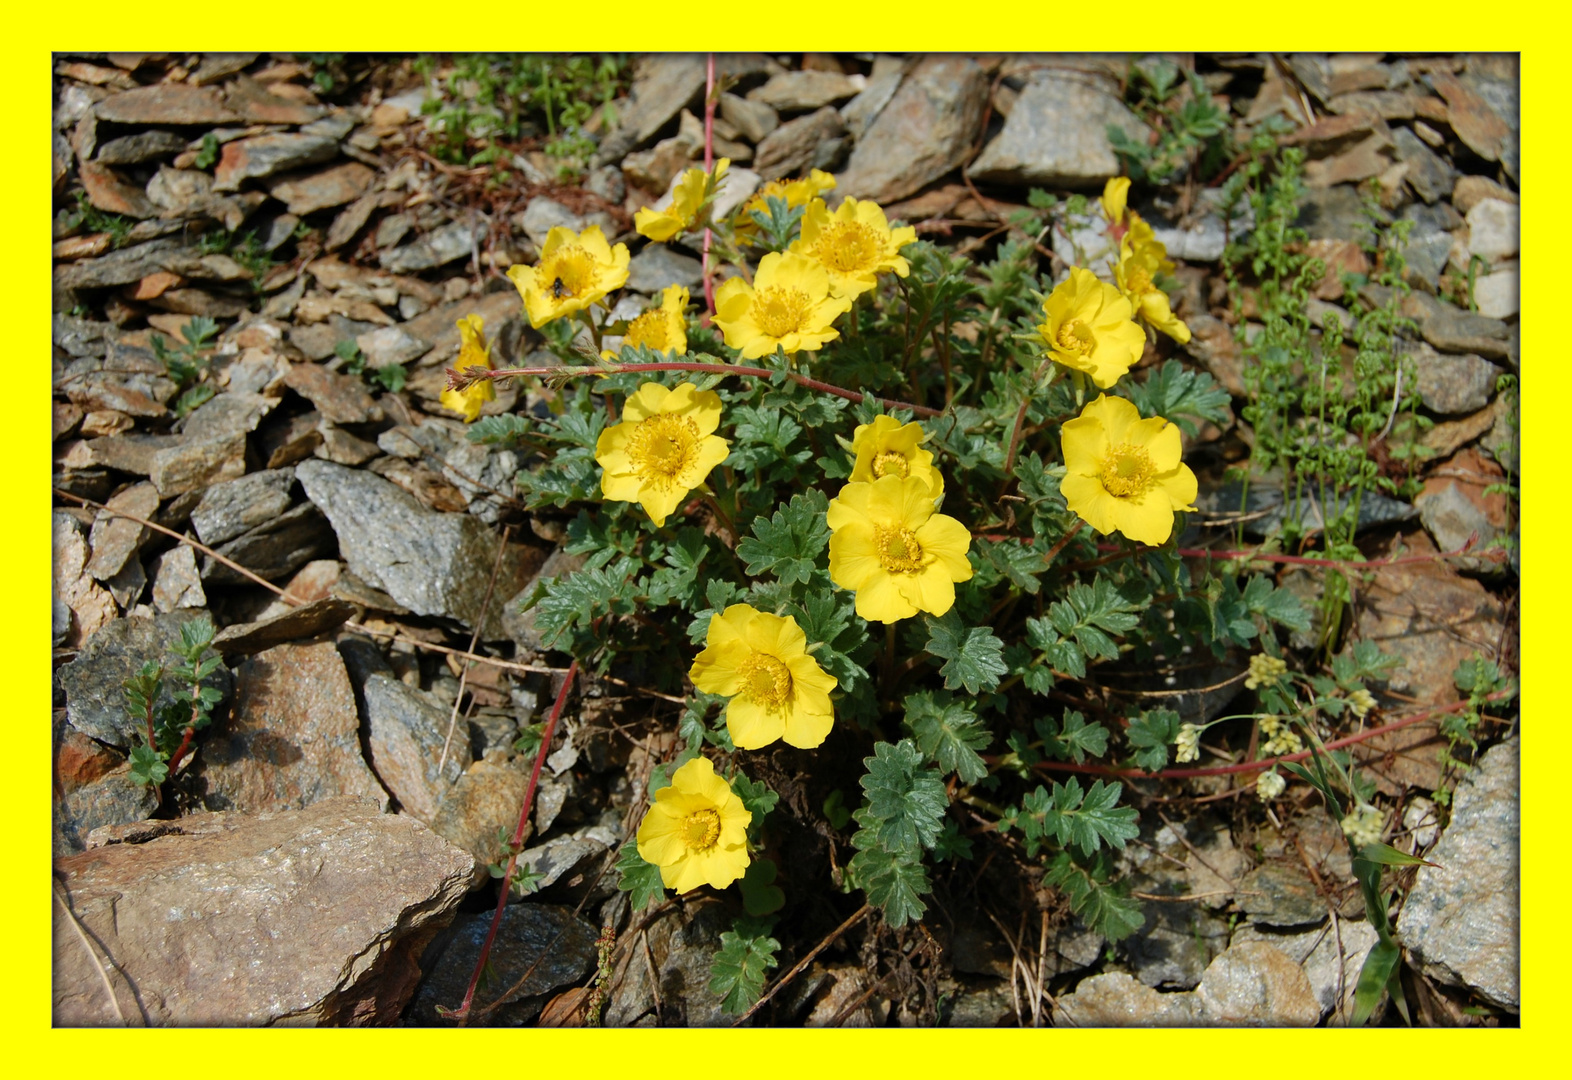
(1429, 176)
(1429, 242)
(658, 266)
(307, 620)
(438, 248)
(432, 563)
(166, 103)
(116, 540)
(122, 267)
(1454, 383)
(1330, 957)
(343, 399)
(682, 942)
(227, 415)
(143, 146)
(273, 549)
(342, 448)
(663, 85)
(1501, 441)
(754, 119)
(176, 583)
(486, 798)
(1493, 226)
(1204, 234)
(607, 183)
(306, 193)
(1281, 894)
(1255, 985)
(95, 699)
(1267, 494)
(1460, 921)
(112, 799)
(804, 91)
(808, 142)
(1057, 134)
(87, 605)
(569, 864)
(298, 918)
(927, 129)
(1452, 330)
(519, 624)
(135, 394)
(544, 214)
(250, 159)
(230, 508)
(1451, 517)
(196, 464)
(1496, 295)
(407, 730)
(391, 345)
(1331, 213)
(1117, 1000)
(543, 945)
(883, 81)
(293, 738)
(483, 475)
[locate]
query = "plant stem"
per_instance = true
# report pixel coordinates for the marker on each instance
(887, 661)
(709, 167)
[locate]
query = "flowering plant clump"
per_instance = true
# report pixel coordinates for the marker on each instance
(907, 533)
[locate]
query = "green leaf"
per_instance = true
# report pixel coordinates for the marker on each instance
(148, 765)
(788, 544)
(1069, 816)
(973, 657)
(1379, 965)
(1090, 614)
(1101, 906)
(835, 811)
(894, 883)
(1074, 739)
(1260, 597)
(737, 973)
(948, 733)
(1151, 734)
(639, 878)
(1387, 855)
(199, 394)
(1181, 395)
(504, 431)
(760, 895)
(905, 801)
(757, 798)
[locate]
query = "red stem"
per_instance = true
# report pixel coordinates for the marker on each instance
(853, 396)
(518, 839)
(709, 166)
(180, 753)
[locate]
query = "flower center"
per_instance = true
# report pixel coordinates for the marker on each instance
(649, 329)
(780, 310)
(570, 272)
(1138, 281)
(767, 680)
(701, 829)
(891, 462)
(1074, 337)
(1127, 471)
(847, 247)
(899, 551)
(663, 447)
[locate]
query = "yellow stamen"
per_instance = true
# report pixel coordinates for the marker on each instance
(767, 680)
(1127, 471)
(847, 247)
(780, 310)
(891, 462)
(899, 551)
(570, 272)
(663, 447)
(649, 329)
(700, 830)
(1074, 337)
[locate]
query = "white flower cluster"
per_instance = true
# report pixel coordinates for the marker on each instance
(1265, 669)
(1361, 701)
(1187, 747)
(1363, 825)
(1280, 738)
(1269, 785)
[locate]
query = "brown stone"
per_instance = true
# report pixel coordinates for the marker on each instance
(154, 286)
(80, 761)
(267, 154)
(1341, 257)
(117, 539)
(335, 185)
(82, 247)
(101, 422)
(305, 621)
(108, 192)
(197, 464)
(1475, 122)
(342, 399)
(167, 103)
(1469, 191)
(255, 103)
(65, 420)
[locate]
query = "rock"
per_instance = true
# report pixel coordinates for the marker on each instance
(1454, 506)
(95, 701)
(486, 798)
(306, 621)
(88, 605)
(249, 159)
(1454, 383)
(569, 865)
(135, 394)
(754, 119)
(273, 549)
(196, 464)
(805, 91)
(658, 266)
(255, 103)
(1429, 242)
(1460, 921)
(808, 142)
(440, 247)
(343, 399)
(391, 345)
(432, 563)
(1281, 894)
(304, 917)
(108, 192)
(1359, 162)
(1330, 958)
(544, 214)
(318, 190)
(407, 730)
(230, 508)
(1451, 435)
(663, 85)
(1496, 294)
(1057, 135)
(1472, 190)
(1451, 330)
(1433, 620)
(544, 945)
(351, 220)
(121, 267)
(293, 737)
(927, 129)
(216, 66)
(1117, 1000)
(176, 583)
(227, 415)
(1387, 104)
(1471, 117)
(116, 540)
(1331, 214)
(882, 83)
(342, 448)
(520, 625)
(1493, 229)
(1255, 985)
(166, 103)
(1502, 440)
(682, 941)
(1428, 175)
(1205, 235)
(112, 799)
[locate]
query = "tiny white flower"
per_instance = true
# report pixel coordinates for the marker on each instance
(1269, 786)
(1361, 701)
(1363, 825)
(1188, 745)
(1265, 669)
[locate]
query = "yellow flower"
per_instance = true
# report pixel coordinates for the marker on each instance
(1135, 271)
(575, 270)
(777, 690)
(789, 305)
(1089, 327)
(687, 199)
(798, 192)
(662, 329)
(888, 545)
(1115, 192)
(696, 830)
(473, 352)
(855, 244)
(1124, 473)
(663, 449)
(1143, 240)
(887, 446)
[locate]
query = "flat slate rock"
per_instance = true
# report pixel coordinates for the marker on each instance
(167, 103)
(230, 508)
(1057, 134)
(306, 621)
(407, 730)
(302, 918)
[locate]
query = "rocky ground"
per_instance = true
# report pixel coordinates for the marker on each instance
(276, 887)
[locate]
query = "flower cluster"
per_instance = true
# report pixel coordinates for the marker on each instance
(1269, 785)
(1279, 737)
(1363, 825)
(1265, 670)
(1142, 259)
(1187, 747)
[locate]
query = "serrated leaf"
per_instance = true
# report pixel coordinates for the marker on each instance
(757, 797)
(1151, 733)
(1102, 907)
(1176, 393)
(974, 657)
(894, 884)
(641, 880)
(1260, 597)
(1073, 739)
(905, 801)
(148, 765)
(789, 542)
(948, 733)
(737, 973)
(760, 895)
(1069, 816)
(504, 431)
